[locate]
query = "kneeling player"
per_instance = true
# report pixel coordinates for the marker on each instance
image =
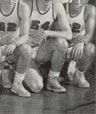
(12, 19)
(51, 45)
(82, 18)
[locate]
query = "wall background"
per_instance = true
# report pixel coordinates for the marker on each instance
(93, 68)
(92, 2)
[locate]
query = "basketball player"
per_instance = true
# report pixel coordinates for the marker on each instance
(51, 45)
(13, 17)
(82, 18)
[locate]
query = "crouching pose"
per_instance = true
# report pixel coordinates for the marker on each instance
(50, 45)
(13, 19)
(81, 51)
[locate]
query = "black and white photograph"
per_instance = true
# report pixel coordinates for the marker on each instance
(47, 56)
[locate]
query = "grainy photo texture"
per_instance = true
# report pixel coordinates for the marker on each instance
(47, 56)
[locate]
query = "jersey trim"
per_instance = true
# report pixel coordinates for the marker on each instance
(53, 12)
(18, 6)
(84, 14)
(38, 9)
(78, 14)
(31, 8)
(9, 12)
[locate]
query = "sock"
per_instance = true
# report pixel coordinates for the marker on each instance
(71, 69)
(19, 77)
(53, 74)
(80, 71)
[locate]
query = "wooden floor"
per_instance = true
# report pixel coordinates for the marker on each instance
(74, 101)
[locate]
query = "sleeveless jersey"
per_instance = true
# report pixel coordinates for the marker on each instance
(9, 23)
(41, 20)
(77, 23)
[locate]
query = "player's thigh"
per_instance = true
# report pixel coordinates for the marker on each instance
(44, 52)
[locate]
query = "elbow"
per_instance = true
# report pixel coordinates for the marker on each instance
(69, 35)
(26, 37)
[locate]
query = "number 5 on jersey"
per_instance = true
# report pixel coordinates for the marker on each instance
(36, 25)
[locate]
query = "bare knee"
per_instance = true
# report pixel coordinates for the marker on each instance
(90, 49)
(25, 51)
(61, 44)
(33, 80)
(38, 86)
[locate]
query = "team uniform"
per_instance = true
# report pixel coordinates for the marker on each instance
(77, 25)
(39, 20)
(9, 26)
(9, 23)
(44, 52)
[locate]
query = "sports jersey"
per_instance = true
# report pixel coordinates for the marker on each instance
(41, 20)
(77, 23)
(9, 22)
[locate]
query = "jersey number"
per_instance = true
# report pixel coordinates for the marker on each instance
(75, 27)
(35, 25)
(10, 26)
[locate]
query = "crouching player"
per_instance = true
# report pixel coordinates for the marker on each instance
(82, 18)
(13, 17)
(51, 45)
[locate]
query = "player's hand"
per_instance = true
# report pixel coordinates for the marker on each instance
(77, 51)
(38, 35)
(9, 49)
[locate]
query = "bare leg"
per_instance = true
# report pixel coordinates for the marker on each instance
(54, 50)
(83, 65)
(24, 57)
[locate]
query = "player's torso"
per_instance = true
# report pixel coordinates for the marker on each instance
(40, 20)
(77, 24)
(9, 22)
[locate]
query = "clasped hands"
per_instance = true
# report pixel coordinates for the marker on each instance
(37, 36)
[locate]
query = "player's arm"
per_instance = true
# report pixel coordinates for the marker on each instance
(65, 30)
(90, 22)
(24, 25)
(90, 15)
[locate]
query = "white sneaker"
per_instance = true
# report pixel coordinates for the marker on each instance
(20, 90)
(54, 85)
(80, 79)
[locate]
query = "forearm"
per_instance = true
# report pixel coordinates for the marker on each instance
(21, 40)
(85, 38)
(59, 34)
